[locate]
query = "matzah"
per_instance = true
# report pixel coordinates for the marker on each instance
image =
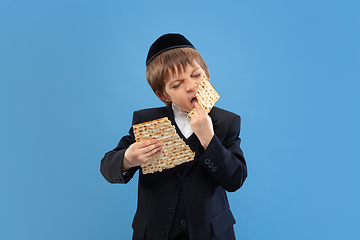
(174, 149)
(206, 95)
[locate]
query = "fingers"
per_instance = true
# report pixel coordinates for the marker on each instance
(148, 148)
(202, 126)
(151, 149)
(199, 110)
(141, 152)
(146, 143)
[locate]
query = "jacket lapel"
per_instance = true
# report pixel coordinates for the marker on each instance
(192, 163)
(181, 171)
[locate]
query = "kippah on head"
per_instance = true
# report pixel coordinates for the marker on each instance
(165, 43)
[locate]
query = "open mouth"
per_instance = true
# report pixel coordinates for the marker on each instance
(194, 101)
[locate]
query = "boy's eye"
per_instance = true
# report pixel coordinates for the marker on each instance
(177, 85)
(197, 75)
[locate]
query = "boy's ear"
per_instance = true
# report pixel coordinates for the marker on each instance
(160, 96)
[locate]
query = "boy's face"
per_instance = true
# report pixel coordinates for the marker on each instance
(182, 87)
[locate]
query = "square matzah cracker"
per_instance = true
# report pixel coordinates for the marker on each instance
(174, 149)
(206, 95)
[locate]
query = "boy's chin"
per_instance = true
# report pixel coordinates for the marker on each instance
(187, 110)
(185, 107)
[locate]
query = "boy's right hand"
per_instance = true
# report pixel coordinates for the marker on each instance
(140, 152)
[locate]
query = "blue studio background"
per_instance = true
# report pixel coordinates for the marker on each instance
(72, 72)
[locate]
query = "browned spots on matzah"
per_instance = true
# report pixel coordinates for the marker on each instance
(174, 151)
(206, 96)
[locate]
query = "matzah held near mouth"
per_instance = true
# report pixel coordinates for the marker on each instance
(206, 95)
(174, 151)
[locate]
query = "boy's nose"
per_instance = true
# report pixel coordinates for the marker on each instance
(191, 86)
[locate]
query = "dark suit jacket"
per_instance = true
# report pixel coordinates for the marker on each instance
(202, 183)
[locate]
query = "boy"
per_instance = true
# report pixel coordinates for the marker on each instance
(188, 201)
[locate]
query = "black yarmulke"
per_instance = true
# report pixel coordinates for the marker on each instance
(167, 42)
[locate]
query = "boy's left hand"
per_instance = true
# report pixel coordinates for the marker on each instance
(202, 125)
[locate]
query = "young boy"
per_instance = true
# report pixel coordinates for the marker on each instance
(188, 201)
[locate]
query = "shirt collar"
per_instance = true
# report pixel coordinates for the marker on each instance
(178, 113)
(182, 121)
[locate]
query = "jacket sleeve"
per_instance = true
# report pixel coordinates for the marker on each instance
(111, 164)
(224, 159)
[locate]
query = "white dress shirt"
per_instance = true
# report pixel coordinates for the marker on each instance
(182, 121)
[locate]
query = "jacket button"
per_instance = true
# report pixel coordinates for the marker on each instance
(214, 169)
(171, 209)
(210, 165)
(207, 161)
(177, 186)
(117, 180)
(164, 234)
(183, 222)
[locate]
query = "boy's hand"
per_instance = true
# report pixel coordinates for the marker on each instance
(140, 152)
(202, 125)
